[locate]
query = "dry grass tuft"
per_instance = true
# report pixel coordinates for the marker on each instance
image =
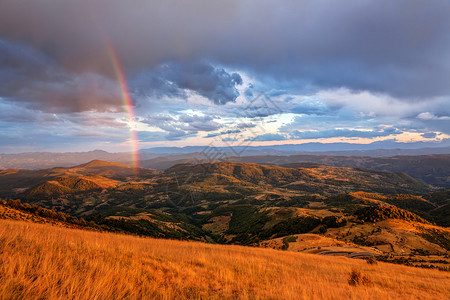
(358, 278)
(371, 260)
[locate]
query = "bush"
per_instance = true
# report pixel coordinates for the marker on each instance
(291, 226)
(290, 239)
(358, 278)
(322, 229)
(371, 260)
(382, 212)
(285, 245)
(334, 221)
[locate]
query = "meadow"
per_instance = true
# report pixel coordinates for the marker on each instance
(42, 261)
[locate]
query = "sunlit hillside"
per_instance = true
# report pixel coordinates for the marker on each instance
(49, 262)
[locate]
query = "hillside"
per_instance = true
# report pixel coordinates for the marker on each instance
(310, 178)
(13, 181)
(432, 169)
(70, 185)
(110, 169)
(68, 263)
(97, 186)
(46, 160)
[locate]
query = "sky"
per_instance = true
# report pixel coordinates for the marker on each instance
(78, 75)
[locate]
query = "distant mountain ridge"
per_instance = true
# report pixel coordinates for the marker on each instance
(41, 160)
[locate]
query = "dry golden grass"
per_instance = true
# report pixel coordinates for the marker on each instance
(48, 262)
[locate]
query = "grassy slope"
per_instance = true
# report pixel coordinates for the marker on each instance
(41, 261)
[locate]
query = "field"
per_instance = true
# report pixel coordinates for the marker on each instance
(41, 261)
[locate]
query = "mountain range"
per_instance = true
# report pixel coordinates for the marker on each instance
(40, 160)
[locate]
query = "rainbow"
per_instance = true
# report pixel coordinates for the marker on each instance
(128, 103)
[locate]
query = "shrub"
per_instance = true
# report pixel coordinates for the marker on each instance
(291, 226)
(371, 260)
(322, 229)
(358, 278)
(382, 212)
(334, 221)
(290, 239)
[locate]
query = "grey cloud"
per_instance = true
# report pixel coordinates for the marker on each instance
(229, 139)
(349, 133)
(183, 126)
(173, 79)
(310, 108)
(231, 131)
(55, 136)
(191, 123)
(257, 108)
(12, 113)
(425, 116)
(245, 125)
(29, 77)
(147, 136)
(174, 135)
(429, 135)
(431, 125)
(268, 137)
(19, 114)
(199, 123)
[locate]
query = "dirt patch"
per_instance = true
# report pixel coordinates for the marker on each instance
(218, 224)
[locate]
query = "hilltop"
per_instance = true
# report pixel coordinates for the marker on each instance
(111, 169)
(70, 185)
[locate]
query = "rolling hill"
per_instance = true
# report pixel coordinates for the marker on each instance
(432, 169)
(13, 181)
(70, 185)
(311, 178)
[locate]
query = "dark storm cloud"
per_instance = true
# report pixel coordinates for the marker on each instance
(172, 79)
(396, 47)
(30, 77)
